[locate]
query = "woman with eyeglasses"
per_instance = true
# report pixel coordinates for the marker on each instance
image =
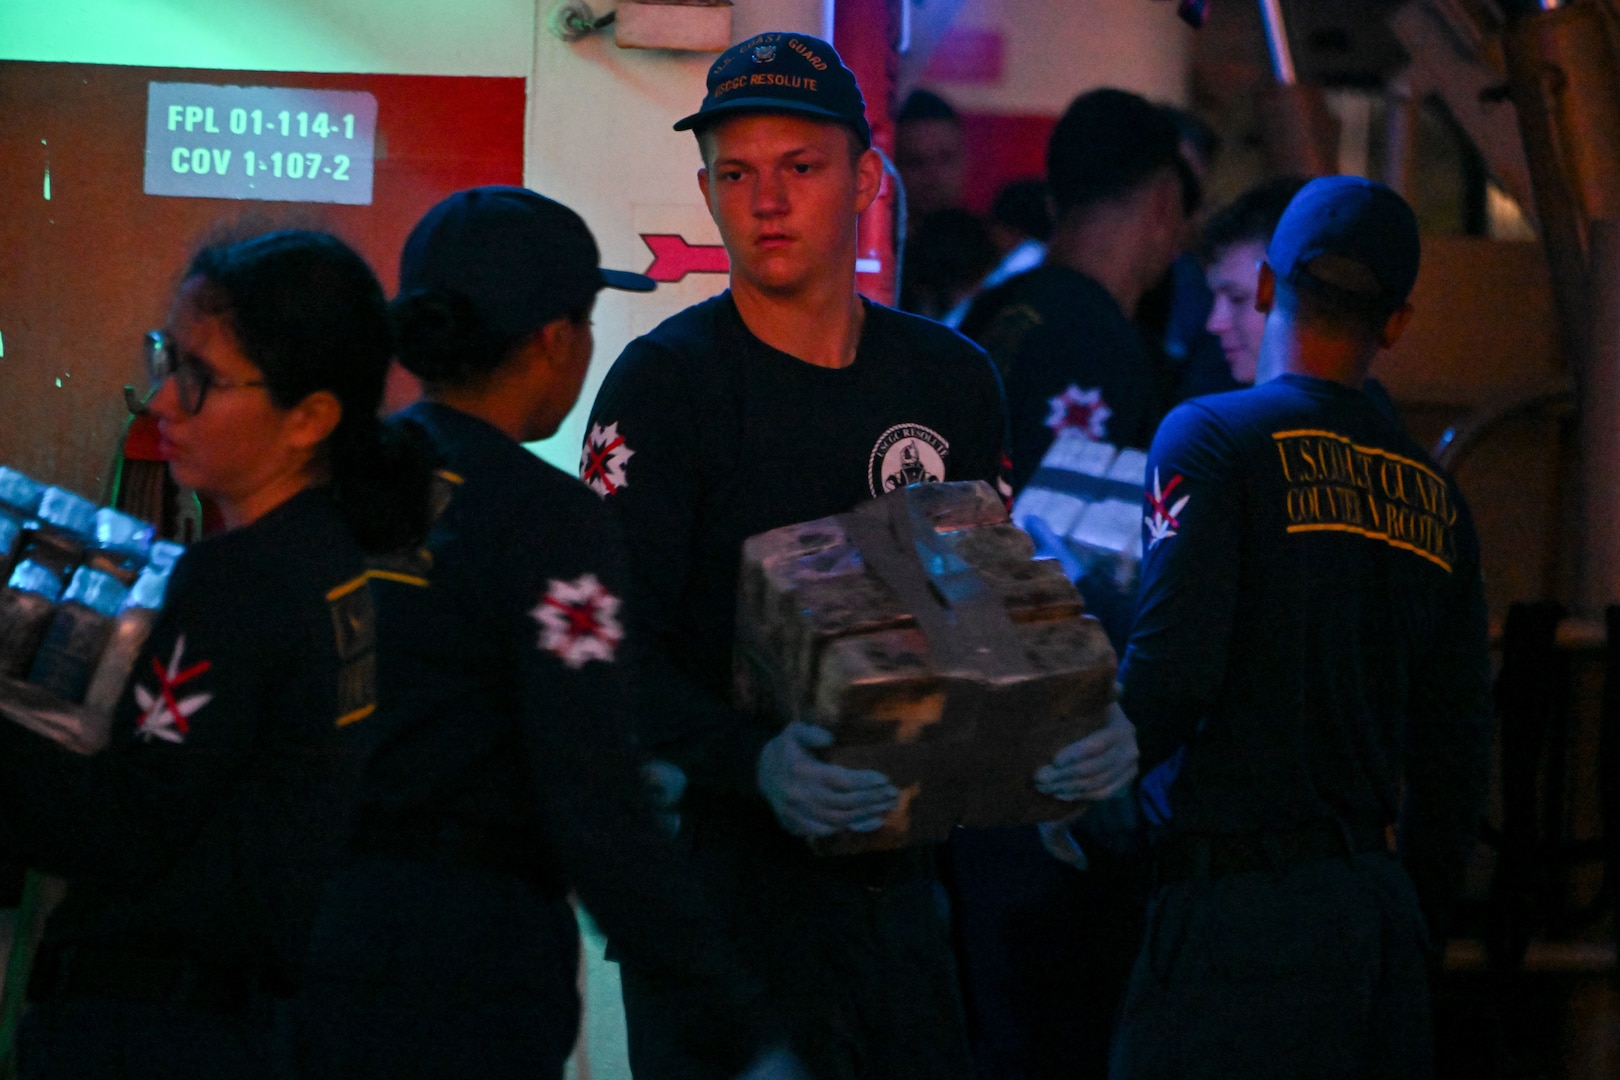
(195, 845)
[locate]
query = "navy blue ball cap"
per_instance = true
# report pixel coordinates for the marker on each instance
(782, 73)
(520, 258)
(1352, 219)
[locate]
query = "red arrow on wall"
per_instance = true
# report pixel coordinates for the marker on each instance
(674, 258)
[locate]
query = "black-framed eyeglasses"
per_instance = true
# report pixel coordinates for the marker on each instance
(192, 378)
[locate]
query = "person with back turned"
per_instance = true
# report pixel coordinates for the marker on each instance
(504, 775)
(785, 399)
(1062, 334)
(1045, 949)
(1309, 673)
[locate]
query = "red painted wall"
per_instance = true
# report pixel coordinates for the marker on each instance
(862, 34)
(85, 273)
(1000, 149)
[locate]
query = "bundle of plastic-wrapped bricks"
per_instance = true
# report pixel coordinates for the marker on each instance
(83, 588)
(920, 632)
(1083, 506)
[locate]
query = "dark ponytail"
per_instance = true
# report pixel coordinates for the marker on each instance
(442, 341)
(381, 477)
(311, 316)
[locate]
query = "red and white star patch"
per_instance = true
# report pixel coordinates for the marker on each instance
(579, 621)
(603, 458)
(1163, 516)
(163, 715)
(1080, 410)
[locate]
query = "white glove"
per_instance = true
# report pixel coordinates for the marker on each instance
(812, 798)
(666, 784)
(778, 1064)
(1097, 766)
(1060, 843)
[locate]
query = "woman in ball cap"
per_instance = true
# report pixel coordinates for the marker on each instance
(504, 778)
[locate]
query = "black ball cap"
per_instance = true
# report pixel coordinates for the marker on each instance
(782, 73)
(520, 258)
(1354, 219)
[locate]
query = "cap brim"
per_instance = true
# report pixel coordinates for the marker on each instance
(624, 279)
(703, 118)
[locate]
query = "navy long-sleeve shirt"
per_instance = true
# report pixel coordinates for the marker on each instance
(503, 694)
(703, 435)
(1311, 630)
(1070, 359)
(207, 827)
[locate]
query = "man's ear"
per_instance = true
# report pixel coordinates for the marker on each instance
(1394, 327)
(552, 346)
(554, 338)
(1168, 216)
(703, 184)
(1170, 198)
(309, 422)
(868, 179)
(1164, 202)
(1265, 289)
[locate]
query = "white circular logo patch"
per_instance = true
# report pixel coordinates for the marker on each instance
(906, 454)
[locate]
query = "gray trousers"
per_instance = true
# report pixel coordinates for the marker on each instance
(1317, 971)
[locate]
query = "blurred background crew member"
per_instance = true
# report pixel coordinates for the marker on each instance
(1200, 145)
(930, 155)
(1173, 312)
(504, 776)
(1234, 246)
(1020, 221)
(947, 258)
(196, 844)
(947, 248)
(788, 398)
(1020, 224)
(1062, 335)
(1046, 949)
(1309, 663)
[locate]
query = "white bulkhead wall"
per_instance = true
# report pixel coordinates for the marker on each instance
(391, 37)
(598, 128)
(600, 140)
(1056, 49)
(600, 116)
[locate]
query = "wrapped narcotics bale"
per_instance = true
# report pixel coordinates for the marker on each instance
(922, 633)
(1087, 497)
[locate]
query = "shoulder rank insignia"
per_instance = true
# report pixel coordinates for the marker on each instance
(354, 628)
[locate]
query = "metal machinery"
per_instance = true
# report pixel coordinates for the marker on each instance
(1559, 63)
